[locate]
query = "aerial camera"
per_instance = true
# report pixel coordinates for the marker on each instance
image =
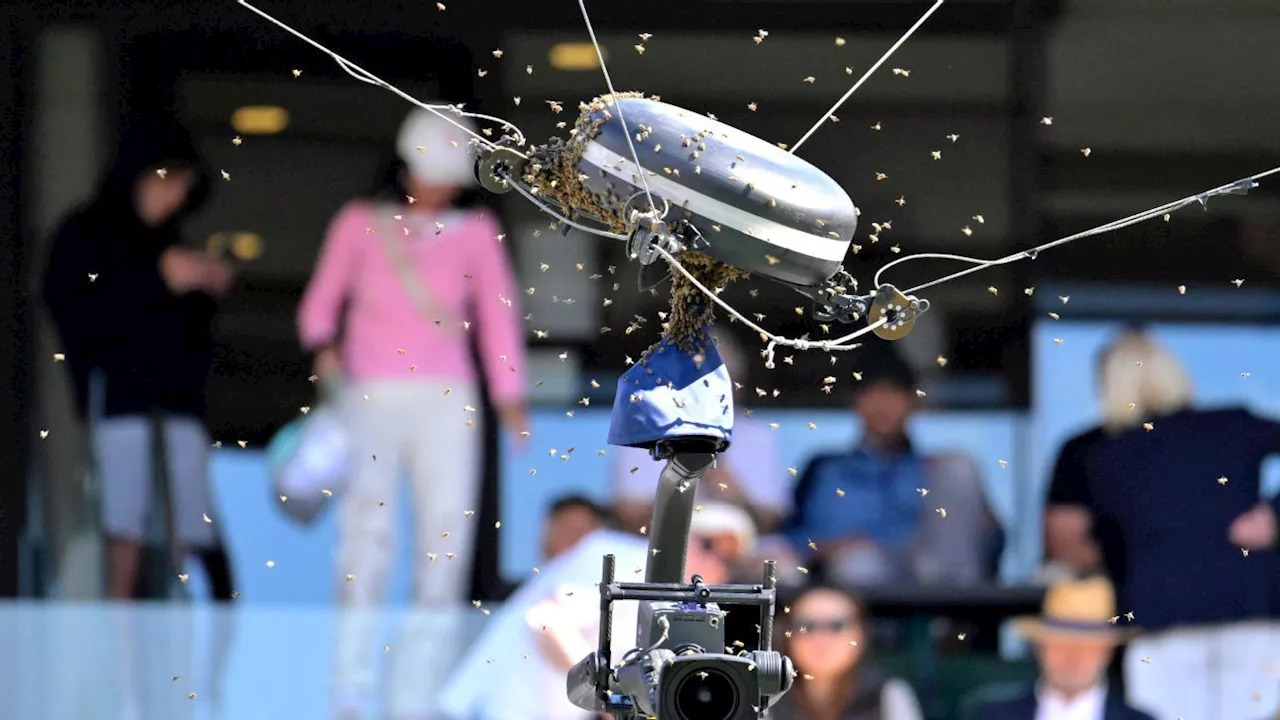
(716, 203)
(705, 188)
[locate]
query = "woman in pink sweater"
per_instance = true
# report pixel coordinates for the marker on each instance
(399, 294)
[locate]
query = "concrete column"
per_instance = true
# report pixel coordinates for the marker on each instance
(66, 157)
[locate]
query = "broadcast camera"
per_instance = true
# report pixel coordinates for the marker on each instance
(681, 667)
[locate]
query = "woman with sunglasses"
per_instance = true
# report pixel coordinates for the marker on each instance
(825, 636)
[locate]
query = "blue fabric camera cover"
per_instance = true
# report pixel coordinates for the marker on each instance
(670, 393)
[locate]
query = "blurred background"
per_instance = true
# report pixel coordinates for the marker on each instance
(1070, 113)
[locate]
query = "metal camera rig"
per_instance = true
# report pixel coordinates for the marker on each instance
(681, 668)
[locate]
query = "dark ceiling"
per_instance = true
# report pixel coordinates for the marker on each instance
(957, 16)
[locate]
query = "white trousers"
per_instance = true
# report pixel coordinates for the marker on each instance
(416, 429)
(1220, 672)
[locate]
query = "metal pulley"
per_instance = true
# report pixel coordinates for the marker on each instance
(498, 166)
(647, 238)
(899, 312)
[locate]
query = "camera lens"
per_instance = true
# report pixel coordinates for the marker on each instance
(706, 694)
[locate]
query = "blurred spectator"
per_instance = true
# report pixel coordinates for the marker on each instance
(1075, 542)
(553, 619)
(400, 290)
(1181, 488)
(728, 535)
(566, 624)
(885, 512)
(570, 519)
(749, 473)
(728, 532)
(825, 635)
(135, 311)
(511, 665)
(1075, 636)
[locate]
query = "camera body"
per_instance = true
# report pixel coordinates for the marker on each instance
(681, 668)
(686, 623)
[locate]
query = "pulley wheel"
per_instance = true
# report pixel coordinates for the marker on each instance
(495, 166)
(898, 310)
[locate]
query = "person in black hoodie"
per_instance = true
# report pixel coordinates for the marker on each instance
(134, 309)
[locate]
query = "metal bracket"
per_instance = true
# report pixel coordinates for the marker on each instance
(646, 238)
(898, 310)
(689, 236)
(836, 302)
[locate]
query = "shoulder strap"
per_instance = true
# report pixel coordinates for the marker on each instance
(431, 311)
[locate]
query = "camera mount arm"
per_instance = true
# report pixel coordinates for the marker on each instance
(687, 461)
(590, 682)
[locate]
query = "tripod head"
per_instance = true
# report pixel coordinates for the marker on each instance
(681, 667)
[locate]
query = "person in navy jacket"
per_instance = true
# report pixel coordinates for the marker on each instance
(1167, 498)
(1075, 636)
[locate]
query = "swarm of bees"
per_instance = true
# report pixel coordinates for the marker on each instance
(552, 175)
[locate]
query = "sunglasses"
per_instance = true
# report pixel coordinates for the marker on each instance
(818, 626)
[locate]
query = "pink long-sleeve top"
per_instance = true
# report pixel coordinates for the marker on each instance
(461, 265)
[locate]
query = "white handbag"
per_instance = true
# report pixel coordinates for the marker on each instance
(308, 460)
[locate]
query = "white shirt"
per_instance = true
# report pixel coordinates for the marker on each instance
(504, 669)
(752, 458)
(578, 607)
(1089, 705)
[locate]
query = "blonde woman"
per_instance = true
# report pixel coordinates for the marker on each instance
(1167, 497)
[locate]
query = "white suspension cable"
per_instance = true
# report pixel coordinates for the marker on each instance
(617, 105)
(365, 76)
(866, 75)
(1238, 186)
(843, 343)
(840, 343)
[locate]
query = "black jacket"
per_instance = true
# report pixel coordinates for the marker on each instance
(114, 313)
(1024, 708)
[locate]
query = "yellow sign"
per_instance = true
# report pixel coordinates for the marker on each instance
(260, 119)
(574, 56)
(244, 246)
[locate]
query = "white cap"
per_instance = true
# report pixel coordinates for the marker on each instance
(435, 150)
(719, 518)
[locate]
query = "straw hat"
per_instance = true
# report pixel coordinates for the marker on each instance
(1077, 609)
